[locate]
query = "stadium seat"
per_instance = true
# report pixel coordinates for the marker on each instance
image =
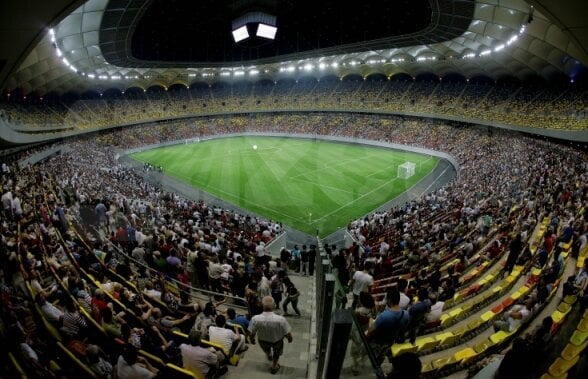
(498, 309)
(482, 346)
(516, 295)
(557, 317)
(154, 360)
(505, 303)
(446, 339)
(562, 366)
(571, 351)
(464, 356)
(428, 368)
(564, 308)
(578, 338)
(524, 290)
(459, 332)
(583, 325)
(176, 372)
(549, 376)
(497, 290)
(401, 348)
(442, 363)
(426, 343)
(446, 319)
(456, 313)
(570, 299)
(500, 336)
(476, 323)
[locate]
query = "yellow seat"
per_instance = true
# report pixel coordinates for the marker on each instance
(467, 307)
(564, 308)
(509, 279)
(571, 351)
(499, 337)
(426, 343)
(583, 325)
(497, 289)
(536, 271)
(446, 319)
(549, 376)
(407, 347)
(482, 346)
(562, 366)
(440, 363)
(578, 338)
(516, 295)
(485, 296)
(570, 299)
(487, 316)
(524, 290)
(427, 368)
(455, 313)
(446, 339)
(182, 373)
(489, 278)
(558, 317)
(153, 359)
(474, 325)
(465, 355)
(460, 331)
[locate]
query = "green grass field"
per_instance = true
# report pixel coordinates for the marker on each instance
(305, 184)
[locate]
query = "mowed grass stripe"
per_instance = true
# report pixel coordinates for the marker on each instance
(306, 184)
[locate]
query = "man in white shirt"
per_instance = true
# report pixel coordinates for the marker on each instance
(50, 311)
(436, 309)
(198, 359)
(232, 343)
(271, 330)
(131, 366)
(515, 317)
(362, 281)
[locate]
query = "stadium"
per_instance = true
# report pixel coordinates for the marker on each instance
(409, 177)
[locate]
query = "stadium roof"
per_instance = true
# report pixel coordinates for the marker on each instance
(65, 45)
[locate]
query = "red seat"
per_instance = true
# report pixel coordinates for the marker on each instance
(508, 302)
(498, 309)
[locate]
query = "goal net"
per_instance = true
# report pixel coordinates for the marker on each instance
(406, 170)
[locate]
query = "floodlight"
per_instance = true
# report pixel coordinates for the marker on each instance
(241, 33)
(266, 31)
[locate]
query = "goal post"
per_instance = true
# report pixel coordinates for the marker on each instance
(406, 170)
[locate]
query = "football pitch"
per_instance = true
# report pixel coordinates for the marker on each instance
(306, 184)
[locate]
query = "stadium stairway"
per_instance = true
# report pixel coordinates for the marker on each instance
(297, 355)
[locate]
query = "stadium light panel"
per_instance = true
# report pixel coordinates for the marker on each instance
(240, 34)
(266, 31)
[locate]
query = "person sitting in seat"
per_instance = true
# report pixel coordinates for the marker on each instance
(232, 343)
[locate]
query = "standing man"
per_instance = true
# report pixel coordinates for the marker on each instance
(362, 281)
(304, 261)
(311, 259)
(272, 329)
